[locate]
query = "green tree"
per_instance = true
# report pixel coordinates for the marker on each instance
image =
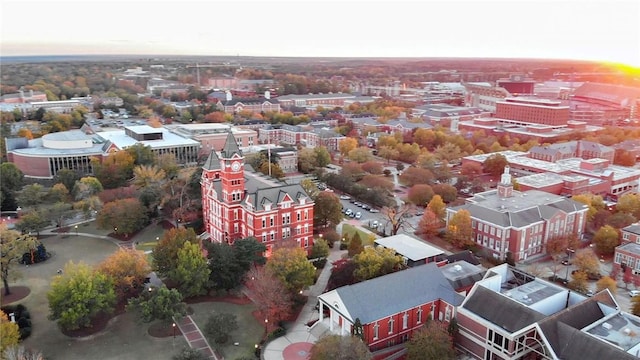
(373, 262)
(158, 304)
(58, 212)
(86, 187)
(307, 160)
(78, 295)
(31, 195)
(219, 326)
(249, 251)
(333, 347)
(606, 239)
(437, 206)
(327, 210)
(225, 273)
(431, 342)
(191, 272)
(32, 221)
(13, 245)
(291, 266)
(320, 249)
(323, 158)
(355, 245)
(11, 179)
(9, 333)
(165, 254)
(360, 154)
(66, 177)
(141, 154)
(126, 215)
(459, 230)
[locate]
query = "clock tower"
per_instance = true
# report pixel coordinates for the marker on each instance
(505, 187)
(232, 174)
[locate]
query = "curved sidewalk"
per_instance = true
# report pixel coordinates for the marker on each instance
(298, 339)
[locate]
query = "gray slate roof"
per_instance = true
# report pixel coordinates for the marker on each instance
(500, 310)
(213, 162)
(230, 147)
(520, 213)
(260, 193)
(563, 332)
(633, 228)
(390, 294)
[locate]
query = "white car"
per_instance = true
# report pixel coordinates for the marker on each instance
(634, 293)
(345, 197)
(358, 215)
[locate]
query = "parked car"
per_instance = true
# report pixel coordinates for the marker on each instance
(372, 210)
(634, 293)
(345, 197)
(565, 262)
(374, 224)
(358, 215)
(348, 212)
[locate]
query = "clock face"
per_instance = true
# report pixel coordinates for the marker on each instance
(235, 166)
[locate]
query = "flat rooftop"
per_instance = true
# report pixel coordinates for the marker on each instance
(620, 330)
(409, 247)
(549, 178)
(460, 269)
(531, 292)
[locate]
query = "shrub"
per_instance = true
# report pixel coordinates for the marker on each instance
(278, 332)
(320, 263)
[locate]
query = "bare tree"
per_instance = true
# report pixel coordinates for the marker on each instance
(397, 216)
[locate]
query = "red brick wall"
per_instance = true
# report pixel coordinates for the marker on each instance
(32, 166)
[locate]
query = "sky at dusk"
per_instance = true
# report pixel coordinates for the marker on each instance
(581, 30)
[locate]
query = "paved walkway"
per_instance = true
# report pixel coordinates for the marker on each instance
(194, 337)
(298, 340)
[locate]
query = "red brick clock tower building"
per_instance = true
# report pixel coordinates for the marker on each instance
(238, 203)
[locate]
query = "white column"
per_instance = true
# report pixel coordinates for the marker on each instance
(321, 309)
(331, 320)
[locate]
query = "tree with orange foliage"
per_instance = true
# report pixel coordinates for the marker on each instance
(429, 224)
(459, 231)
(127, 268)
(215, 117)
(269, 294)
(25, 133)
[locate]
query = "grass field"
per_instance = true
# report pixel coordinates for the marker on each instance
(349, 230)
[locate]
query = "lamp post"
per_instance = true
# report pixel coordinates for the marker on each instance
(174, 330)
(76, 227)
(266, 324)
(115, 229)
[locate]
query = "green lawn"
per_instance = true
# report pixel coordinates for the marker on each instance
(248, 334)
(349, 230)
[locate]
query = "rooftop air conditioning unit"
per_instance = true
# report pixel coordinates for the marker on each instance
(607, 326)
